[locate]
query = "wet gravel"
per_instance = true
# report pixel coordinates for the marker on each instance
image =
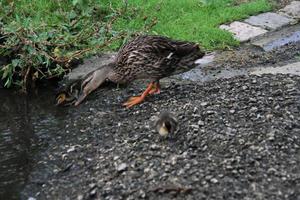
(248, 56)
(238, 139)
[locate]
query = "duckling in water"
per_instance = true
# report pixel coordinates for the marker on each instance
(145, 57)
(68, 94)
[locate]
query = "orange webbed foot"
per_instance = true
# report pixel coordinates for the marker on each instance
(152, 87)
(133, 101)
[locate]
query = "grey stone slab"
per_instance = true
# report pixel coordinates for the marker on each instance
(278, 38)
(196, 74)
(270, 21)
(293, 9)
(293, 68)
(89, 65)
(206, 60)
(242, 31)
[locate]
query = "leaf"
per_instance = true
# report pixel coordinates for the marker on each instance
(5, 73)
(72, 15)
(76, 2)
(57, 52)
(7, 82)
(15, 62)
(36, 74)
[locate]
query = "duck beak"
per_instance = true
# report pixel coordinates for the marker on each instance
(60, 99)
(163, 130)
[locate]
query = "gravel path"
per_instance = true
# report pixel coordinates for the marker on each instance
(238, 139)
(248, 56)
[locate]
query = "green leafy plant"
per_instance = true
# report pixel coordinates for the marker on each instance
(45, 47)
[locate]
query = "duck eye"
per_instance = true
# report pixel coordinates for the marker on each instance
(168, 125)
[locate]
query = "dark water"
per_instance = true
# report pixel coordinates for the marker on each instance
(26, 123)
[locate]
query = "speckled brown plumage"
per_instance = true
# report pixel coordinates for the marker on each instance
(153, 57)
(145, 57)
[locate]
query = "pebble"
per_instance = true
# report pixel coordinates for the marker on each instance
(232, 111)
(214, 180)
(204, 103)
(271, 136)
(244, 87)
(80, 197)
(201, 123)
(194, 126)
(71, 149)
(122, 167)
(210, 112)
(93, 192)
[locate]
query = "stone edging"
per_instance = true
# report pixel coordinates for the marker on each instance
(263, 23)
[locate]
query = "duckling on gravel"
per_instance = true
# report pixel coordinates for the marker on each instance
(145, 57)
(166, 124)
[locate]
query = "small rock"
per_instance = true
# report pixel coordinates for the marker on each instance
(92, 185)
(244, 87)
(271, 170)
(214, 180)
(253, 109)
(71, 149)
(232, 111)
(80, 197)
(210, 112)
(195, 127)
(154, 147)
(96, 121)
(122, 167)
(271, 136)
(252, 100)
(146, 170)
(204, 103)
(201, 123)
(208, 177)
(142, 194)
(93, 192)
(269, 116)
(241, 141)
(116, 158)
(173, 160)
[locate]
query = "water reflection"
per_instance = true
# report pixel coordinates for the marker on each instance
(21, 126)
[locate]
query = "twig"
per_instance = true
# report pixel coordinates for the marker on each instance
(26, 79)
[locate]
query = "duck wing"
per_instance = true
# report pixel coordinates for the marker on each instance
(157, 57)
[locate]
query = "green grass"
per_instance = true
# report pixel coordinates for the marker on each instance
(191, 19)
(42, 37)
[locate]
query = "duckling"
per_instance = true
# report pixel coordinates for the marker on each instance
(68, 94)
(76, 91)
(145, 57)
(166, 124)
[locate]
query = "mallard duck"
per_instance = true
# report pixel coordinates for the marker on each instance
(166, 124)
(145, 57)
